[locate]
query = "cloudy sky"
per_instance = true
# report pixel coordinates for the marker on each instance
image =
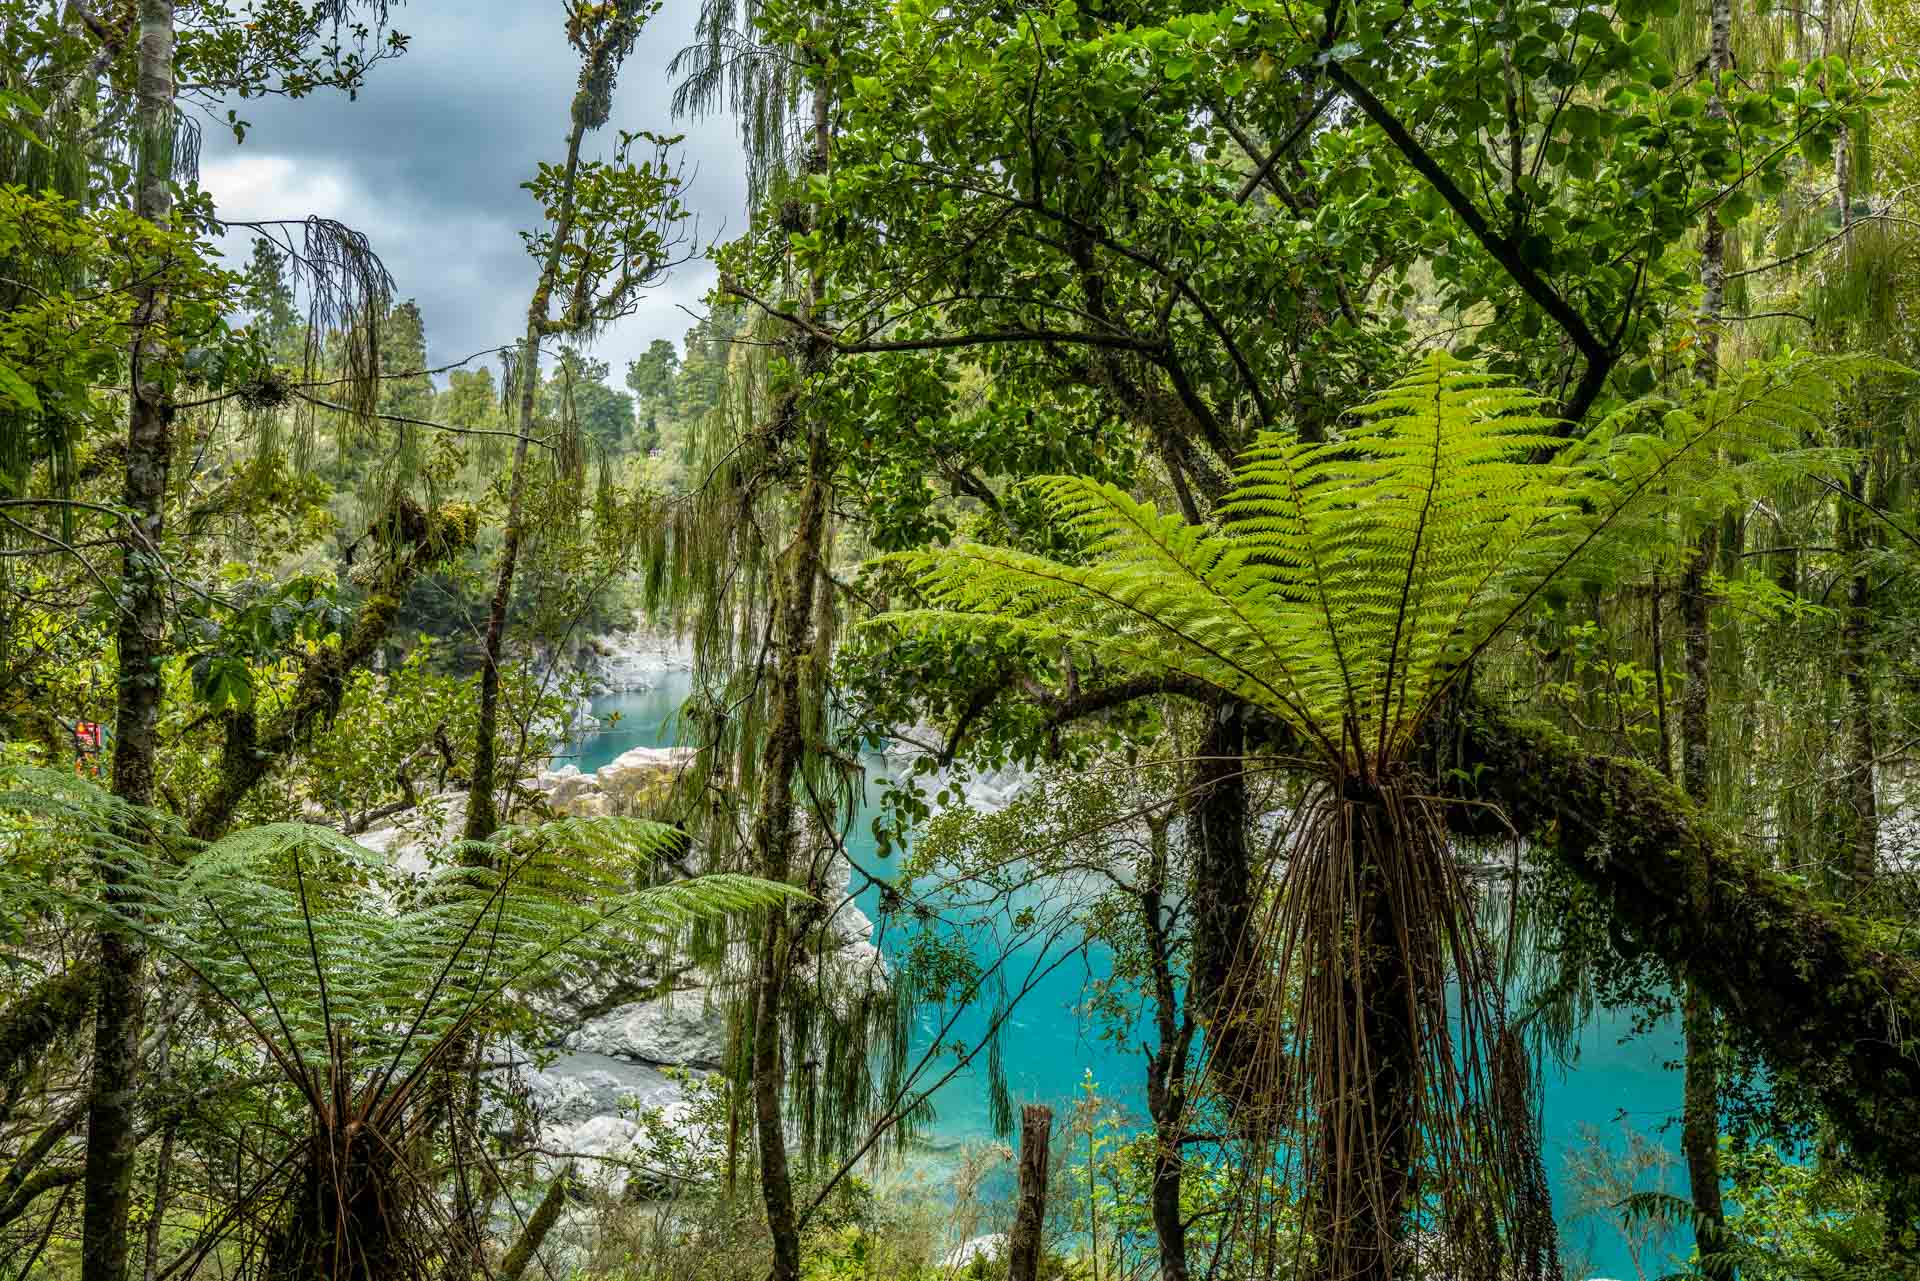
(429, 161)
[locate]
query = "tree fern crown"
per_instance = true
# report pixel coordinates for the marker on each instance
(1343, 585)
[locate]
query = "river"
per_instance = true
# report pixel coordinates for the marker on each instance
(1620, 1079)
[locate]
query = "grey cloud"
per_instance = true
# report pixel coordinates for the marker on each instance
(429, 161)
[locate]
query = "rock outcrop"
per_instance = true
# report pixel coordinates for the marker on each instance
(634, 784)
(684, 1028)
(634, 659)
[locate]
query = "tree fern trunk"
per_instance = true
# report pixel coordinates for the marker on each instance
(1367, 1156)
(112, 1093)
(1030, 1212)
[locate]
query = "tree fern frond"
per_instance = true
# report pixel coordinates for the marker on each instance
(316, 942)
(1349, 581)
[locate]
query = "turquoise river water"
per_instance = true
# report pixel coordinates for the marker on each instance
(1620, 1081)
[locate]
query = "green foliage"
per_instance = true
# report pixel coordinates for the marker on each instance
(1348, 582)
(318, 946)
(62, 339)
(323, 948)
(1800, 1220)
(578, 386)
(619, 233)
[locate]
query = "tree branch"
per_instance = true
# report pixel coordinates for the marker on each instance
(1124, 342)
(317, 694)
(1598, 355)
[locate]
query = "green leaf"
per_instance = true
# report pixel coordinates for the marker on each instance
(17, 389)
(1585, 122)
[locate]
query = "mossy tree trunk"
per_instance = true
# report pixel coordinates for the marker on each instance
(483, 815)
(799, 584)
(252, 751)
(112, 1098)
(604, 37)
(1223, 895)
(1856, 810)
(1700, 1109)
(776, 829)
(1819, 994)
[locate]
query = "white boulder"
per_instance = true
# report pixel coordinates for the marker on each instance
(682, 1029)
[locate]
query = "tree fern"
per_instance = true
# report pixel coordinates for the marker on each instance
(357, 978)
(1346, 587)
(312, 939)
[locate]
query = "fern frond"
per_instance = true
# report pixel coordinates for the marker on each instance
(399, 966)
(316, 942)
(1348, 582)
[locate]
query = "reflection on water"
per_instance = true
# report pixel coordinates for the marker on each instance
(1619, 1078)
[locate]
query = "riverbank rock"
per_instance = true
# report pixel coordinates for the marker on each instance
(986, 1249)
(406, 837)
(635, 659)
(633, 784)
(687, 1028)
(576, 1087)
(986, 791)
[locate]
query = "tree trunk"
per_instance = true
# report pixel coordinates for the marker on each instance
(1030, 1212)
(1222, 896)
(792, 654)
(483, 810)
(1700, 1105)
(163, 1173)
(483, 815)
(601, 60)
(1700, 1114)
(1166, 1068)
(1367, 1149)
(1817, 991)
(535, 1233)
(775, 828)
(112, 1093)
(1858, 809)
(316, 697)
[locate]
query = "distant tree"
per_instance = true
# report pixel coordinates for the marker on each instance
(270, 298)
(604, 415)
(703, 372)
(469, 400)
(403, 350)
(652, 379)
